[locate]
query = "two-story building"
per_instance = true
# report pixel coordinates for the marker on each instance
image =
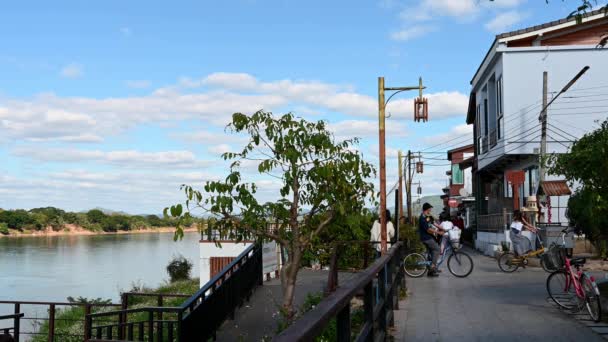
(460, 190)
(505, 103)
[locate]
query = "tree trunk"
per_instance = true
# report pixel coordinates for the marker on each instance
(288, 281)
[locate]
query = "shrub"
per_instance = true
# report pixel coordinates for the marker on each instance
(179, 269)
(3, 228)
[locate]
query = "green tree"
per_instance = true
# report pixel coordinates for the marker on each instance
(312, 171)
(96, 216)
(16, 219)
(585, 165)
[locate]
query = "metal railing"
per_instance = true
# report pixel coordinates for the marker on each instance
(493, 222)
(197, 319)
(386, 273)
(13, 331)
(28, 323)
(493, 138)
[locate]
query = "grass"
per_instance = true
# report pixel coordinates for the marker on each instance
(69, 322)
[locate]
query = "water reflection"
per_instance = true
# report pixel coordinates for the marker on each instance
(53, 268)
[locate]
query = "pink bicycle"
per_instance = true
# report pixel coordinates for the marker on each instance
(572, 289)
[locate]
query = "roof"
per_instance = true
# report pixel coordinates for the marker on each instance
(550, 23)
(555, 188)
(535, 28)
(465, 148)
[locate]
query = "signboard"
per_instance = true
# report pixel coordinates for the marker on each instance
(453, 203)
(269, 257)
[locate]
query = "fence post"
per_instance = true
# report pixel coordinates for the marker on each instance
(88, 322)
(150, 326)
(332, 277)
(368, 306)
(343, 324)
(17, 322)
(382, 294)
(52, 323)
(390, 298)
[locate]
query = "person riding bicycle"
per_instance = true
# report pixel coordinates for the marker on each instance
(521, 244)
(428, 231)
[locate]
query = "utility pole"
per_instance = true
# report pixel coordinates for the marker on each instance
(543, 136)
(382, 149)
(382, 154)
(543, 143)
(409, 186)
(400, 208)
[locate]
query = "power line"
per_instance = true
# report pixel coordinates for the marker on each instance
(561, 130)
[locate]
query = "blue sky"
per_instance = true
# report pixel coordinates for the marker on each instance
(116, 103)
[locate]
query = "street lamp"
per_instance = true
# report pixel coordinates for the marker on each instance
(382, 141)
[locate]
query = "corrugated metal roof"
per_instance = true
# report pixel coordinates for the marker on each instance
(555, 188)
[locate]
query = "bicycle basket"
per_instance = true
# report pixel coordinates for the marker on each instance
(455, 244)
(555, 257)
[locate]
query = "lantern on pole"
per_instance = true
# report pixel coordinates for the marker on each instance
(419, 190)
(419, 167)
(421, 107)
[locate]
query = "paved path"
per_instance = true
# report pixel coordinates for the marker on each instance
(257, 319)
(487, 306)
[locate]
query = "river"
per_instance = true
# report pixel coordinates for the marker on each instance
(53, 268)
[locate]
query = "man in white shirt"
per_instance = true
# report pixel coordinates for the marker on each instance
(376, 232)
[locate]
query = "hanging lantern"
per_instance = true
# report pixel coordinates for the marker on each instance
(419, 167)
(421, 109)
(419, 190)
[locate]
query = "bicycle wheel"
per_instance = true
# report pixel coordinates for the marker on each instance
(543, 264)
(460, 264)
(507, 264)
(561, 290)
(415, 265)
(592, 300)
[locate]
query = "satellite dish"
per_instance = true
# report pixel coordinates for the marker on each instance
(463, 192)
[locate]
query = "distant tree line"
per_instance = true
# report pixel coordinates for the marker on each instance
(94, 220)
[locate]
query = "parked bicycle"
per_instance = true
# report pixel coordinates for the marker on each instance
(460, 264)
(572, 289)
(509, 262)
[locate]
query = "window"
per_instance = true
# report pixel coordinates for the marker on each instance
(485, 117)
(457, 174)
(499, 106)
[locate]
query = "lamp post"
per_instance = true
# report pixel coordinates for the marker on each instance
(382, 147)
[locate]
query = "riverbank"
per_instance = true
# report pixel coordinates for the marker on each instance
(73, 230)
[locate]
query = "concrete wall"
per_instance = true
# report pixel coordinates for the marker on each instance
(490, 243)
(209, 249)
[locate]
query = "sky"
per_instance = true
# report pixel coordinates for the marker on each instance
(114, 104)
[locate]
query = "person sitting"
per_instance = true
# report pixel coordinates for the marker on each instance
(427, 232)
(376, 236)
(446, 225)
(521, 244)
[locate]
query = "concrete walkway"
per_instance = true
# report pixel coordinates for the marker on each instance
(489, 305)
(258, 319)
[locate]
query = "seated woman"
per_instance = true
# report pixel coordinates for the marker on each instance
(521, 244)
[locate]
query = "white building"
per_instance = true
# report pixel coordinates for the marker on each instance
(505, 103)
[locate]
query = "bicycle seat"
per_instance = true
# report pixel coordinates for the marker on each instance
(578, 261)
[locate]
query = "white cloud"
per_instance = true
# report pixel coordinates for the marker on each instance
(453, 8)
(72, 70)
(49, 117)
(349, 129)
(138, 84)
(505, 21)
(412, 32)
(219, 149)
(502, 3)
(123, 158)
(457, 136)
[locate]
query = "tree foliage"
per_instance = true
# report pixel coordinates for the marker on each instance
(586, 166)
(318, 180)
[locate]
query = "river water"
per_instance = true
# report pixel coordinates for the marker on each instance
(53, 268)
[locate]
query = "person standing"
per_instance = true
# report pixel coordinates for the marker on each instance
(428, 231)
(376, 232)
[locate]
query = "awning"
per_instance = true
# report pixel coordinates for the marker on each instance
(555, 188)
